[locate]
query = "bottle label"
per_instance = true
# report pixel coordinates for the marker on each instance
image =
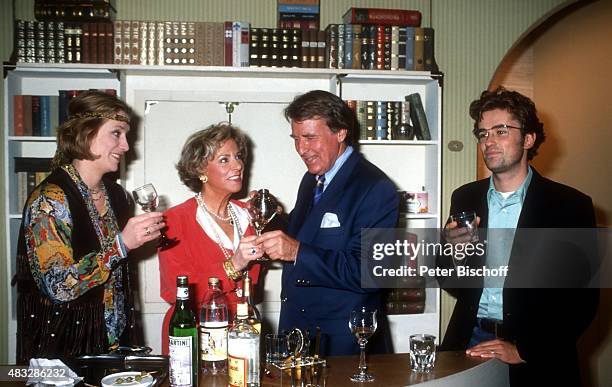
(180, 360)
(213, 341)
(182, 293)
(237, 371)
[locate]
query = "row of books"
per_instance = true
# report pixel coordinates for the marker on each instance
(60, 42)
(29, 171)
(182, 43)
(74, 10)
(409, 297)
(347, 46)
(380, 47)
(391, 120)
(281, 47)
(300, 14)
(40, 115)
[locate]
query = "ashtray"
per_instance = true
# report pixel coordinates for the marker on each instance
(128, 379)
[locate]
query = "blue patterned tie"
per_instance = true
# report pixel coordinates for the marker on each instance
(318, 191)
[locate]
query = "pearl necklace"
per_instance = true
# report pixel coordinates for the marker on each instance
(223, 219)
(227, 253)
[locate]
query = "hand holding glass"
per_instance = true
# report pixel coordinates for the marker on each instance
(363, 325)
(146, 197)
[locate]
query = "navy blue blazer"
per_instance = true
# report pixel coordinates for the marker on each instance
(324, 284)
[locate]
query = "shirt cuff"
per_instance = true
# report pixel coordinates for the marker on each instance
(123, 250)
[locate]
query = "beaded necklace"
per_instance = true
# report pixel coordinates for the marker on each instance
(227, 253)
(221, 218)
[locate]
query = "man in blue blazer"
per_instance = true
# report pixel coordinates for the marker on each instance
(341, 194)
(529, 323)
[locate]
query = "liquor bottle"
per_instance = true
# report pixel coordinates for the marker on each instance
(254, 317)
(213, 330)
(243, 351)
(183, 338)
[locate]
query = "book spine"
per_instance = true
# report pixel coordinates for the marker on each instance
(387, 48)
(298, 8)
(341, 28)
(45, 115)
(131, 42)
(296, 47)
(18, 115)
(410, 32)
(275, 54)
(60, 52)
(109, 42)
(36, 115)
(90, 48)
(383, 16)
(101, 46)
(54, 113)
(229, 42)
(19, 40)
(401, 48)
(321, 48)
(394, 48)
(419, 38)
(254, 36)
(284, 47)
(356, 61)
(39, 42)
(143, 33)
(381, 120)
(240, 44)
(418, 117)
(428, 50)
(151, 46)
(361, 119)
(118, 42)
(370, 120)
(160, 44)
(78, 43)
(264, 47)
(348, 46)
(27, 115)
(218, 44)
(380, 48)
(332, 46)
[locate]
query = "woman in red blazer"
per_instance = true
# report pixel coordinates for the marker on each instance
(213, 232)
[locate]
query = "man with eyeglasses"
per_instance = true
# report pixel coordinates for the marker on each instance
(533, 329)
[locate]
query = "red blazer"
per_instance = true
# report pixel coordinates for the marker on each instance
(197, 256)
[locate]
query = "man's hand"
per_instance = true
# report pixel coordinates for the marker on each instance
(279, 245)
(499, 349)
(455, 235)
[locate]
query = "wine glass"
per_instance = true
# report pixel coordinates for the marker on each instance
(146, 197)
(363, 325)
(262, 208)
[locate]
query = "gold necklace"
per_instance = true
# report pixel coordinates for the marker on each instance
(227, 253)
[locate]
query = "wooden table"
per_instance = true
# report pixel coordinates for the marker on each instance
(392, 370)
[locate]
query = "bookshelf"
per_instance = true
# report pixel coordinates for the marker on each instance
(172, 102)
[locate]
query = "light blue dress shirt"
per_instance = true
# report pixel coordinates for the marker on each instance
(329, 175)
(504, 212)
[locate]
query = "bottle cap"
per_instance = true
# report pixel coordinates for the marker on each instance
(182, 280)
(242, 310)
(213, 280)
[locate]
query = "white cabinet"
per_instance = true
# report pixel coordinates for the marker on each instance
(172, 103)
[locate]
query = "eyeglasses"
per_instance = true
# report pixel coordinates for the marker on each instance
(501, 131)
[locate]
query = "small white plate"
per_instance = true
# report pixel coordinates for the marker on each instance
(111, 380)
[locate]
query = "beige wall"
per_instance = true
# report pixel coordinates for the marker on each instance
(472, 36)
(563, 66)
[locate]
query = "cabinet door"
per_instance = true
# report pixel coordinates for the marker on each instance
(272, 164)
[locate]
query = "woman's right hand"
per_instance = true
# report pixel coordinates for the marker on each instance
(142, 228)
(246, 252)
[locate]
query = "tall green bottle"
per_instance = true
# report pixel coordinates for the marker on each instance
(183, 338)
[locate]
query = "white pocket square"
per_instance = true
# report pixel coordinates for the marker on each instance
(330, 220)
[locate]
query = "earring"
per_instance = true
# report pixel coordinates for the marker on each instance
(203, 179)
